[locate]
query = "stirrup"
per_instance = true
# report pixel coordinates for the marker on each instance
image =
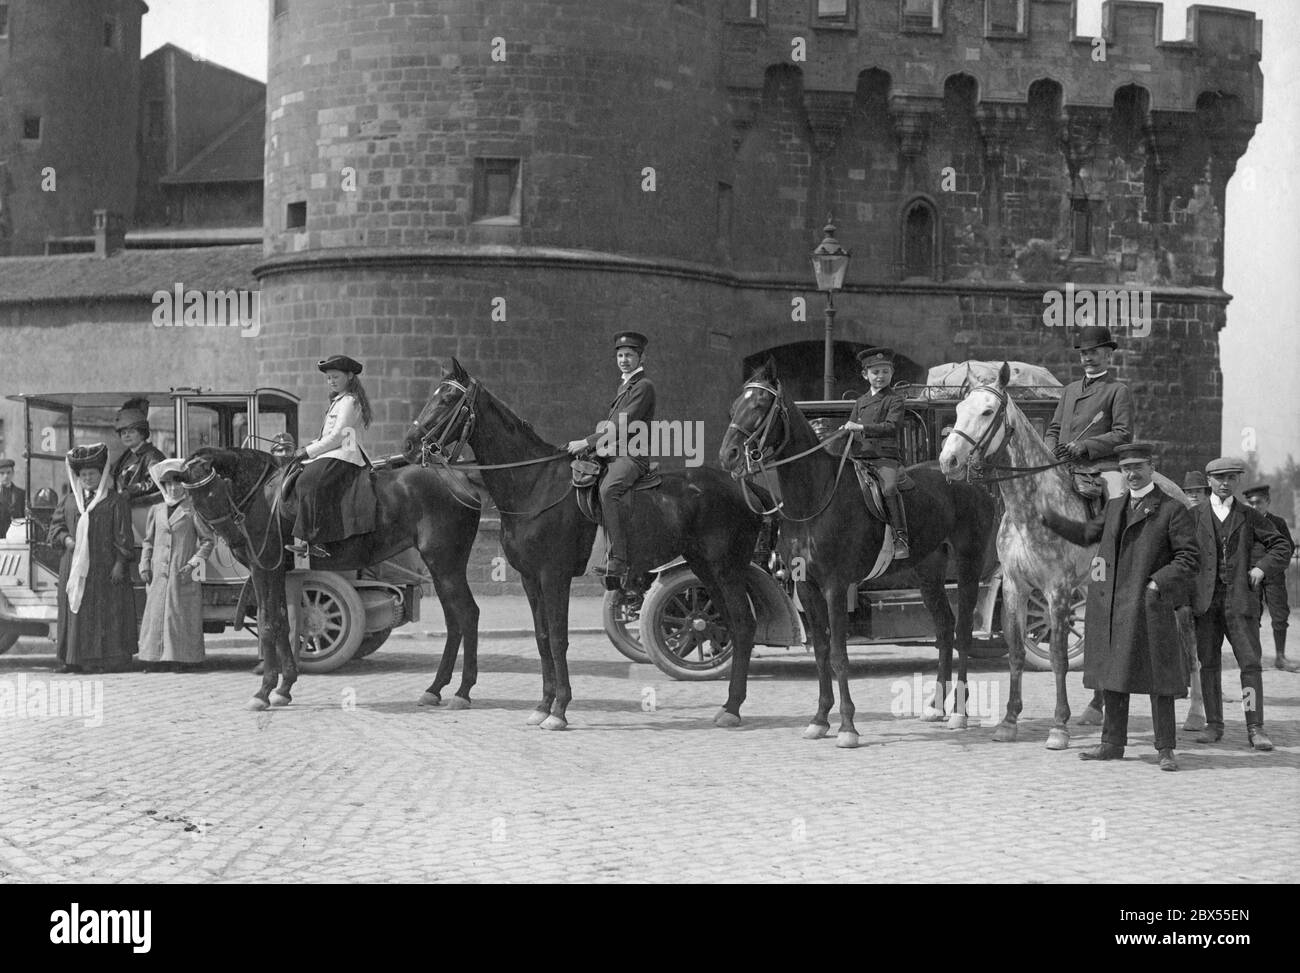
(902, 549)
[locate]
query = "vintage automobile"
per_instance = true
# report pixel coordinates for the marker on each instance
(342, 616)
(676, 627)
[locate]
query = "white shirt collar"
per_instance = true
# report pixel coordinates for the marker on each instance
(1135, 494)
(628, 377)
(1089, 377)
(1221, 508)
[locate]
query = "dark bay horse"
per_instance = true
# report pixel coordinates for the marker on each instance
(236, 491)
(698, 513)
(828, 526)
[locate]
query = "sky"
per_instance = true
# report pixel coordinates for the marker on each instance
(1260, 347)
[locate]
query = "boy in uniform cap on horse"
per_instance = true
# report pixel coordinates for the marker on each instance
(13, 500)
(634, 401)
(877, 417)
(1272, 590)
(1241, 548)
(333, 488)
(1131, 643)
(130, 471)
(92, 526)
(1075, 432)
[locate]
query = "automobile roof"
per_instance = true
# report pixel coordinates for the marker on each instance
(115, 400)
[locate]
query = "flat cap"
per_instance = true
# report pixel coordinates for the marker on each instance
(1224, 464)
(1263, 489)
(1135, 453)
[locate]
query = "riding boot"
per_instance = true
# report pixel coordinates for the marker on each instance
(898, 519)
(617, 564)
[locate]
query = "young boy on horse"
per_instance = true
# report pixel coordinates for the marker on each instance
(332, 464)
(878, 419)
(634, 401)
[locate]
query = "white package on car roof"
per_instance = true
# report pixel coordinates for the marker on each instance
(946, 381)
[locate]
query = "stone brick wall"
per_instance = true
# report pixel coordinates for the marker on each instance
(54, 64)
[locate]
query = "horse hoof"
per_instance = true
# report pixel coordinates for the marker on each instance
(277, 699)
(931, 715)
(726, 719)
(1006, 733)
(458, 702)
(1091, 716)
(846, 740)
(538, 716)
(1194, 723)
(957, 721)
(256, 704)
(1058, 739)
(815, 731)
(429, 699)
(554, 722)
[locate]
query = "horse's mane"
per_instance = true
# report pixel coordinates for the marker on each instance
(231, 462)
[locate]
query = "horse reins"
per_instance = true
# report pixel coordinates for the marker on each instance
(975, 463)
(237, 515)
(759, 456)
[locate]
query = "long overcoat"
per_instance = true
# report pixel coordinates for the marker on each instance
(172, 628)
(1131, 642)
(103, 631)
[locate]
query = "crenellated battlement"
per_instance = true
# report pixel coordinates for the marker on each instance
(1005, 45)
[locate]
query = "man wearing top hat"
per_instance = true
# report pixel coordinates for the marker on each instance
(1272, 591)
(1148, 548)
(878, 418)
(1075, 431)
(634, 401)
(13, 500)
(130, 471)
(1226, 597)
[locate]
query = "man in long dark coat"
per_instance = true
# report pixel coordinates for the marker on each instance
(1147, 561)
(1242, 549)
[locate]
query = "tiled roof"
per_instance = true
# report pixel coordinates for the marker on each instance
(236, 155)
(127, 273)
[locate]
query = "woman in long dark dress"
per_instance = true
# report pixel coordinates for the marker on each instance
(97, 628)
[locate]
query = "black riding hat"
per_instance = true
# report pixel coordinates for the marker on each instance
(1094, 337)
(340, 363)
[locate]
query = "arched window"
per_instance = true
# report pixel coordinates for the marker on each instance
(920, 238)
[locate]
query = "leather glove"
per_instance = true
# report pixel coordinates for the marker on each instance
(1062, 451)
(119, 575)
(1078, 451)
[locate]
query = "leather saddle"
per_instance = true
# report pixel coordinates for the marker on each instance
(587, 476)
(1091, 487)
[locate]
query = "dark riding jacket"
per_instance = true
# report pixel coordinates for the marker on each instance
(881, 416)
(1080, 404)
(635, 401)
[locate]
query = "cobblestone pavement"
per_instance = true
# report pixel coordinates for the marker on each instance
(353, 782)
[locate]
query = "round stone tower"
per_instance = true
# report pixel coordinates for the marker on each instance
(509, 184)
(69, 114)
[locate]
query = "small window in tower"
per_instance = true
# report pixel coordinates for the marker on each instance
(745, 11)
(281, 7)
(1004, 17)
(1081, 226)
(111, 36)
(154, 126)
(496, 191)
(32, 128)
(832, 9)
(295, 216)
(921, 15)
(919, 239)
(4, 20)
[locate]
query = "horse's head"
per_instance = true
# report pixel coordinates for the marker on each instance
(753, 435)
(445, 422)
(981, 426)
(206, 483)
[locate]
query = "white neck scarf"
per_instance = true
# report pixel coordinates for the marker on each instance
(1221, 507)
(81, 545)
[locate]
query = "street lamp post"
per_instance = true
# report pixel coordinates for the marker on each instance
(830, 262)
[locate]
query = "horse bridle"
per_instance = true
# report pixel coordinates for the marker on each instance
(980, 447)
(434, 441)
(237, 512)
(758, 453)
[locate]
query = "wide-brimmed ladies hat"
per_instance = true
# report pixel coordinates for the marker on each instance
(166, 468)
(134, 414)
(92, 457)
